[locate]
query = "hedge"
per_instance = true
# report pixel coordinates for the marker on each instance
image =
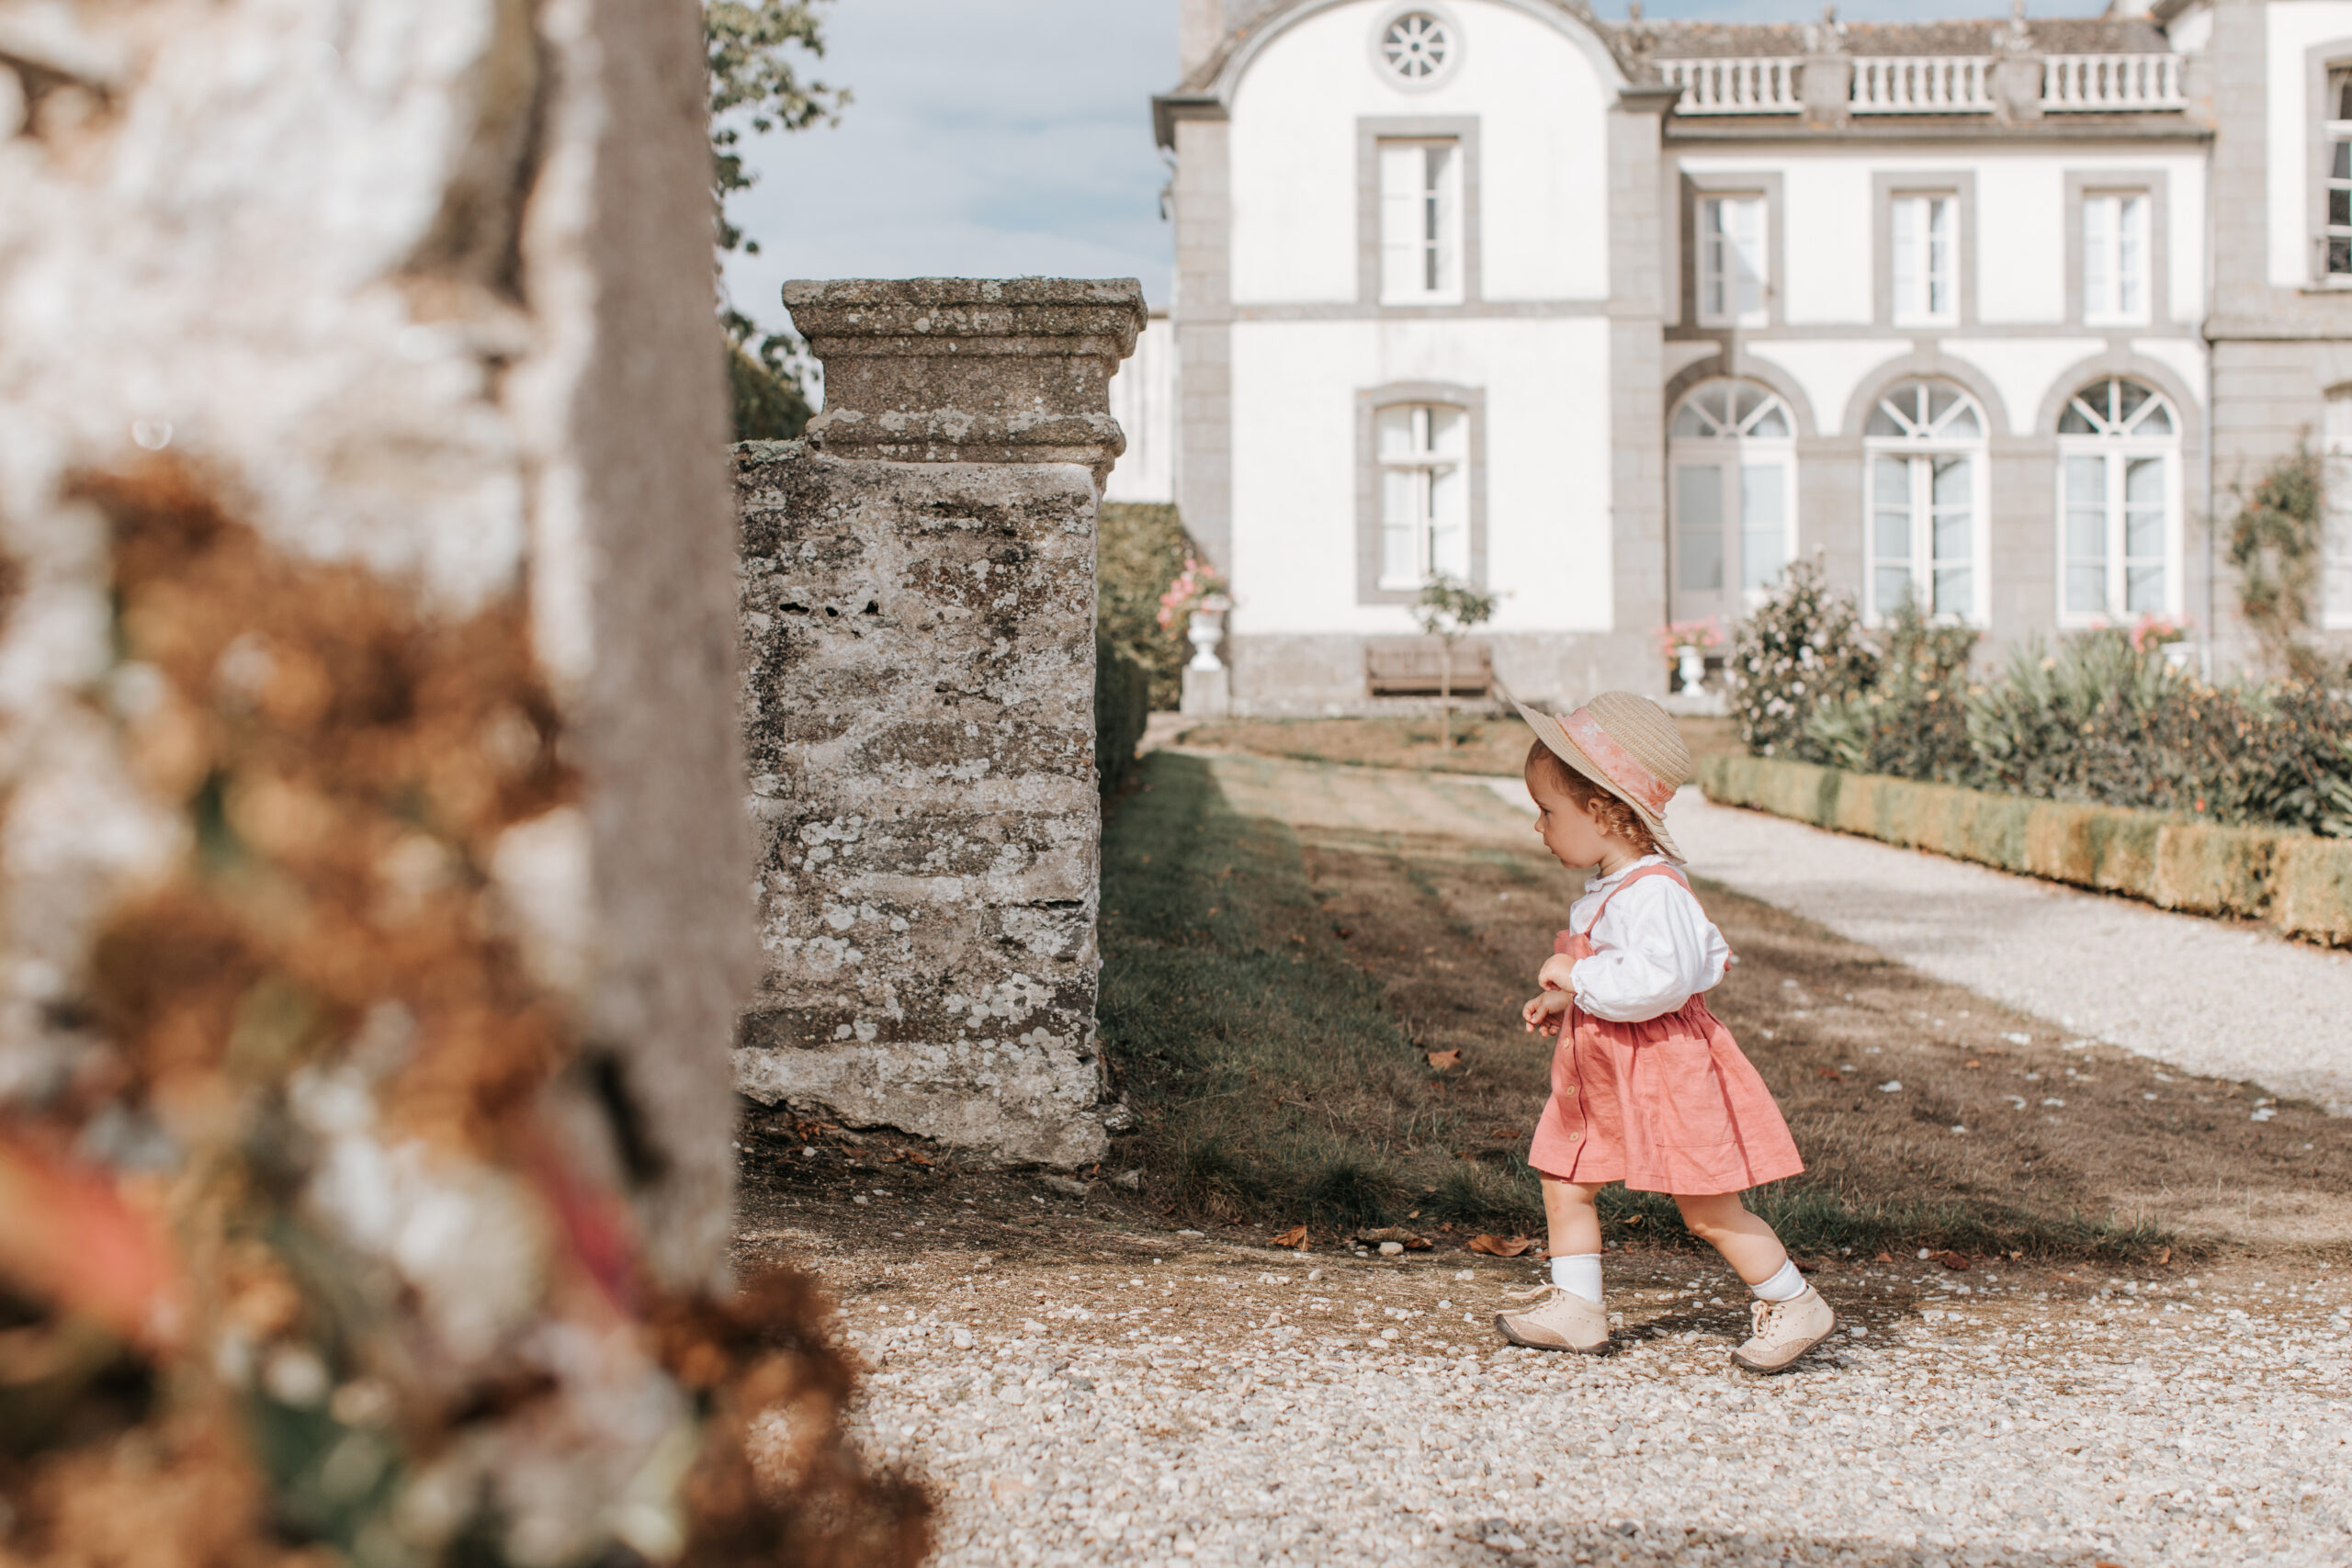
(2300, 883)
(1122, 704)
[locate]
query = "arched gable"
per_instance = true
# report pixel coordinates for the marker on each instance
(1572, 21)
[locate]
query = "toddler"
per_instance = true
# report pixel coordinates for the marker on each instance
(1648, 1088)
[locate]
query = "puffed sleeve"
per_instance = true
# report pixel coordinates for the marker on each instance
(1656, 950)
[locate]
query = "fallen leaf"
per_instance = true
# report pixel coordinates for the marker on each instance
(1500, 1246)
(1633, 1219)
(1442, 1060)
(1447, 1227)
(914, 1156)
(2164, 1257)
(1951, 1259)
(1513, 1134)
(1295, 1238)
(1832, 1073)
(1397, 1233)
(1971, 1062)
(1883, 1257)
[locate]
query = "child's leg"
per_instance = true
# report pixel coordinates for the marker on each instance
(1569, 1215)
(1747, 1244)
(1574, 1225)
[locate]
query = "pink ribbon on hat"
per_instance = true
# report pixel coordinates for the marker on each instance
(1647, 789)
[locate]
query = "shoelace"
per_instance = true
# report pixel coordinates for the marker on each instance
(1546, 1290)
(1760, 1315)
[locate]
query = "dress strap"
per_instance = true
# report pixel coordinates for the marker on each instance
(1645, 871)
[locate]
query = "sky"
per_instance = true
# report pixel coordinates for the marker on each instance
(998, 138)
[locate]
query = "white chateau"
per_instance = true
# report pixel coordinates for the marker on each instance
(1618, 318)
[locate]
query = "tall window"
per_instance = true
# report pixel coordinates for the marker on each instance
(2336, 557)
(1424, 494)
(1732, 455)
(1421, 222)
(1924, 249)
(2115, 259)
(2119, 450)
(1732, 262)
(2335, 224)
(1926, 540)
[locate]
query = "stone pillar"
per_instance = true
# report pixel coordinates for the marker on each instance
(918, 613)
(370, 834)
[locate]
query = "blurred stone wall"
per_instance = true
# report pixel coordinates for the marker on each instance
(918, 602)
(372, 927)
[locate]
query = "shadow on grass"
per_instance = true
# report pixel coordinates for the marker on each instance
(1271, 1084)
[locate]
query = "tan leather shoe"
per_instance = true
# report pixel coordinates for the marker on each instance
(1563, 1320)
(1785, 1330)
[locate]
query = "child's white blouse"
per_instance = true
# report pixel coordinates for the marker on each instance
(1654, 949)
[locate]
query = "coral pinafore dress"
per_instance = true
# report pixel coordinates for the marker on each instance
(1669, 1104)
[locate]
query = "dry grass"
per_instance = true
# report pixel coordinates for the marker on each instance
(1272, 985)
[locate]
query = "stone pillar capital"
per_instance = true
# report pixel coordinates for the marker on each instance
(969, 370)
(1826, 85)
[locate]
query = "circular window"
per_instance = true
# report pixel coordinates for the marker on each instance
(1417, 47)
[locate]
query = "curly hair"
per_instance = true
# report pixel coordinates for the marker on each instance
(1611, 815)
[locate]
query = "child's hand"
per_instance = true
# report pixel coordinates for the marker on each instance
(1554, 975)
(1543, 1014)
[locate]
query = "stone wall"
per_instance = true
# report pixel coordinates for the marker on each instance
(918, 611)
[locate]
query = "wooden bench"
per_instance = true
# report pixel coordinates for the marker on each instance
(1415, 667)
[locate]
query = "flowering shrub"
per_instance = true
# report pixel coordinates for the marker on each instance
(2103, 721)
(1800, 648)
(2104, 718)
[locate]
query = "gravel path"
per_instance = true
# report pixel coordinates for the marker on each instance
(2214, 997)
(1172, 1399)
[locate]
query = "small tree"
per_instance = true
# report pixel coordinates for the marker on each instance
(1448, 609)
(757, 83)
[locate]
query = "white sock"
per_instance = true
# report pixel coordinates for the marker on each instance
(1785, 1286)
(1579, 1275)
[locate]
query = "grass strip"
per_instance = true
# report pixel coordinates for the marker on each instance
(1271, 1085)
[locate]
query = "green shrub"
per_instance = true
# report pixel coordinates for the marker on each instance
(1912, 720)
(1122, 704)
(1140, 549)
(769, 405)
(1799, 650)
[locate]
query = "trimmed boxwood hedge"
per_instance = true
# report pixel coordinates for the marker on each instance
(2300, 883)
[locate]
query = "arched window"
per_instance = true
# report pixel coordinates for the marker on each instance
(2336, 557)
(1732, 493)
(2118, 523)
(1925, 542)
(1424, 494)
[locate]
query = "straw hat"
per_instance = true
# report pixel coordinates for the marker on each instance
(1625, 744)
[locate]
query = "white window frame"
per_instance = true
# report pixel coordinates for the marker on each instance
(1734, 268)
(2115, 441)
(2117, 272)
(2335, 237)
(1733, 449)
(1420, 220)
(2335, 607)
(1923, 258)
(1919, 441)
(1423, 463)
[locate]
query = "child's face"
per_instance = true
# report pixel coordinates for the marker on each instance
(1566, 828)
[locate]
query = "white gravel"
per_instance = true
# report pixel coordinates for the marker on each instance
(2217, 997)
(1231, 1409)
